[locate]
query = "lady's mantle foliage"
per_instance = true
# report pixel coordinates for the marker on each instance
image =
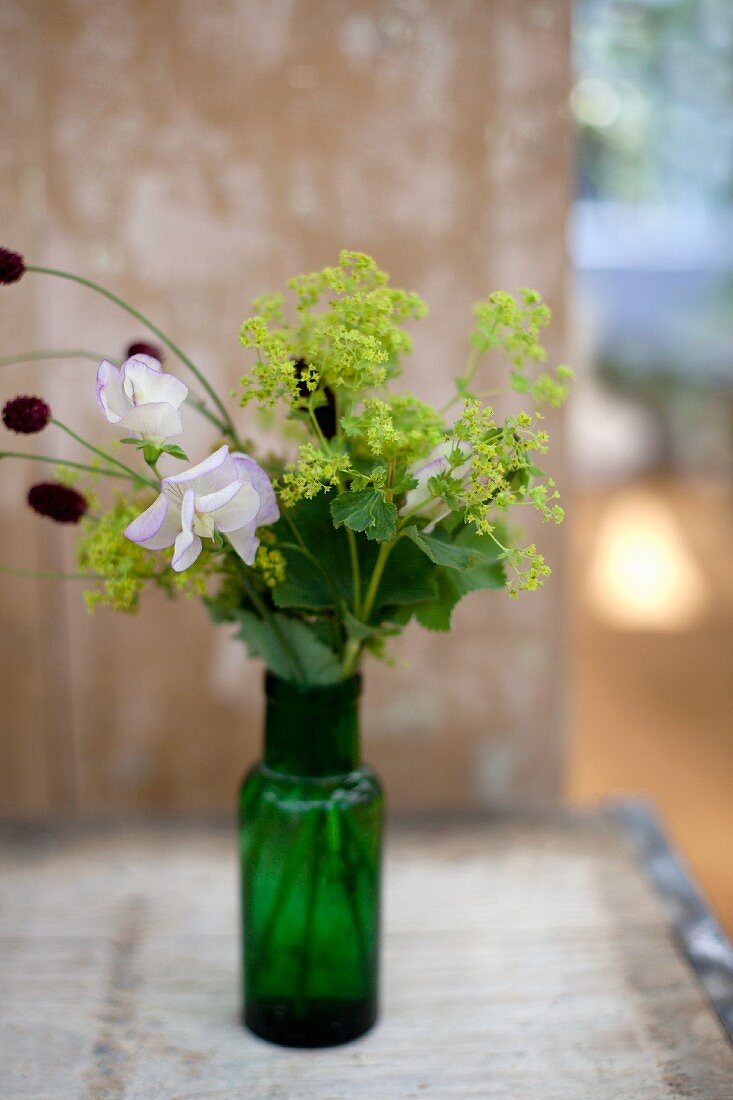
(394, 457)
(382, 508)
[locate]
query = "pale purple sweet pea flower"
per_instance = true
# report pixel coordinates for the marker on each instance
(436, 463)
(141, 399)
(226, 492)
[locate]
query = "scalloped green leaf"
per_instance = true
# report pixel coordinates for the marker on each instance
(366, 511)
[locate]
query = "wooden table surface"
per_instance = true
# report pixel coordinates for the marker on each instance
(523, 959)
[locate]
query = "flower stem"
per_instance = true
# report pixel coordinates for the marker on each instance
(103, 454)
(371, 592)
(355, 571)
(55, 576)
(472, 363)
(40, 356)
(68, 462)
(413, 511)
(226, 422)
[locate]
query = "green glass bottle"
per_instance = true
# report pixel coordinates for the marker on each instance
(310, 848)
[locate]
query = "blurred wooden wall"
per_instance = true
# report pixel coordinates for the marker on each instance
(190, 154)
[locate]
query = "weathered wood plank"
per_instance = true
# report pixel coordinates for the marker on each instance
(521, 959)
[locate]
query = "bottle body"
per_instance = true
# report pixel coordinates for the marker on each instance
(310, 849)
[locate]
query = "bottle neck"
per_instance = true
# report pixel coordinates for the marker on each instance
(312, 731)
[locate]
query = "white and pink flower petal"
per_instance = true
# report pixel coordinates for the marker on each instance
(187, 546)
(250, 471)
(110, 393)
(156, 421)
(215, 472)
(144, 382)
(240, 511)
(245, 542)
(211, 502)
(187, 549)
(156, 528)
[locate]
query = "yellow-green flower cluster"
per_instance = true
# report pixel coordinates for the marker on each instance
(545, 389)
(529, 569)
(354, 359)
(355, 341)
(270, 563)
(501, 467)
(512, 325)
(273, 375)
(313, 472)
(401, 428)
(123, 566)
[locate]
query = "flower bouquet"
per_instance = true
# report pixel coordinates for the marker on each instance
(380, 509)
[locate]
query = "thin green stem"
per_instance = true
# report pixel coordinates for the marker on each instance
(413, 511)
(355, 571)
(316, 428)
(68, 462)
(55, 576)
(40, 356)
(203, 410)
(472, 363)
(226, 422)
(371, 592)
(103, 454)
(351, 657)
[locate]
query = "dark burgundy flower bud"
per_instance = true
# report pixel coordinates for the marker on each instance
(26, 414)
(58, 502)
(11, 266)
(141, 348)
(325, 414)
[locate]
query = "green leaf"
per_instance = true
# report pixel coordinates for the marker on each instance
(174, 451)
(355, 628)
(404, 483)
(306, 585)
(408, 578)
(367, 511)
(452, 584)
(273, 641)
(219, 609)
(443, 551)
(436, 614)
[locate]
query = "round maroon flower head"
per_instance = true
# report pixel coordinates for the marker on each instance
(141, 348)
(11, 266)
(26, 414)
(59, 502)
